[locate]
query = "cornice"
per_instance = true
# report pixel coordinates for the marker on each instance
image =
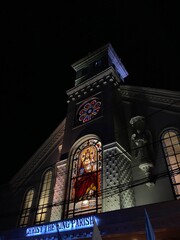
(151, 95)
(107, 76)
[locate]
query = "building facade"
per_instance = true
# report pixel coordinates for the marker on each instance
(116, 153)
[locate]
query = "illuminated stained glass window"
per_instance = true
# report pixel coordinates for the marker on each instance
(44, 200)
(26, 210)
(171, 146)
(85, 191)
(88, 110)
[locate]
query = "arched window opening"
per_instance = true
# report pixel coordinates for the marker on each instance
(171, 146)
(44, 200)
(85, 189)
(26, 209)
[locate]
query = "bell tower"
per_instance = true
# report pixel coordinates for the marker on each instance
(92, 101)
(95, 128)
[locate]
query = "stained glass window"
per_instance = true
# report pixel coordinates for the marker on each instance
(88, 110)
(85, 192)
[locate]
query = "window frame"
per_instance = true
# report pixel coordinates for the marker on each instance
(171, 152)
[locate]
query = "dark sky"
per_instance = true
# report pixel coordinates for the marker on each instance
(40, 41)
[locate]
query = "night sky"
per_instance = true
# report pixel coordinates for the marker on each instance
(40, 42)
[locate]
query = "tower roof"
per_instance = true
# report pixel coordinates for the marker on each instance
(106, 53)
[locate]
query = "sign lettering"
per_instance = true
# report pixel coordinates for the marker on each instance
(79, 223)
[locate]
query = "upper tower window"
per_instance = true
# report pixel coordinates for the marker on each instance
(98, 63)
